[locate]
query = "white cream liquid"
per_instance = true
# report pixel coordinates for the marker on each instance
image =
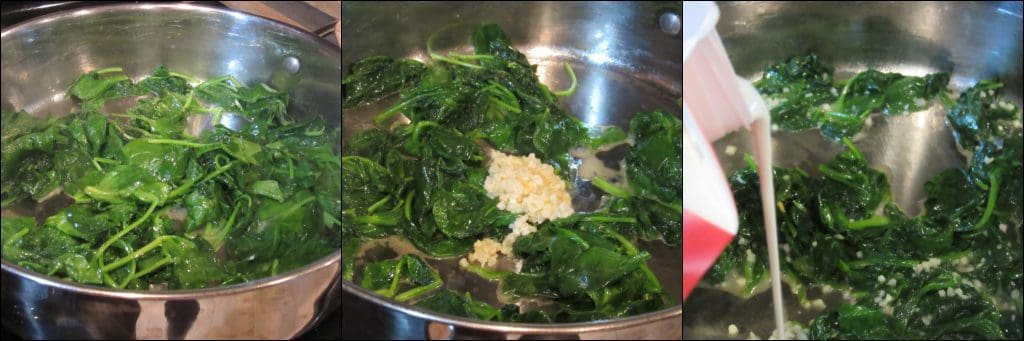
(763, 155)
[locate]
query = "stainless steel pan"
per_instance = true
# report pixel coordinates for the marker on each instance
(972, 40)
(628, 58)
(42, 57)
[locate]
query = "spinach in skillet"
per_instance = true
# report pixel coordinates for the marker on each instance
(592, 271)
(953, 272)
(153, 206)
(493, 95)
(651, 206)
(804, 95)
(424, 181)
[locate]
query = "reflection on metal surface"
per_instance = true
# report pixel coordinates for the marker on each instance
(42, 307)
(403, 321)
(974, 41)
(440, 331)
(41, 58)
(599, 54)
(624, 63)
(595, 105)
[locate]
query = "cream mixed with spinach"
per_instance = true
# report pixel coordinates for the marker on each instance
(952, 272)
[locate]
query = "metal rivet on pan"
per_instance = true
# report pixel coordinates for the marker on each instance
(292, 65)
(670, 23)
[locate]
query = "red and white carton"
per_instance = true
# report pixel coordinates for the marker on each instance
(715, 102)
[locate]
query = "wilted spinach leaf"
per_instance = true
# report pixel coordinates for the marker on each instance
(377, 77)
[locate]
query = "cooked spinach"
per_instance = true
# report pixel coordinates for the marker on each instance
(500, 100)
(424, 181)
(154, 206)
(593, 271)
(953, 272)
(979, 115)
(384, 277)
(805, 95)
(377, 77)
(654, 164)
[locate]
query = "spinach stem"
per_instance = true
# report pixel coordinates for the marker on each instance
(138, 253)
(97, 160)
(181, 143)
(225, 230)
(109, 281)
(121, 130)
(146, 271)
(181, 189)
(454, 61)
(106, 160)
(109, 70)
(652, 283)
(419, 127)
(17, 236)
(609, 219)
(846, 88)
(980, 184)
(572, 88)
(106, 275)
(388, 114)
(675, 207)
(544, 90)
(93, 191)
(390, 291)
(379, 220)
(103, 248)
(268, 88)
(610, 188)
(504, 94)
(993, 193)
(830, 173)
(291, 168)
(190, 99)
(378, 204)
(143, 131)
(470, 56)
(572, 236)
(418, 291)
(504, 105)
(499, 90)
(489, 274)
(751, 164)
(189, 184)
(219, 171)
(182, 76)
(849, 144)
(874, 221)
(408, 205)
